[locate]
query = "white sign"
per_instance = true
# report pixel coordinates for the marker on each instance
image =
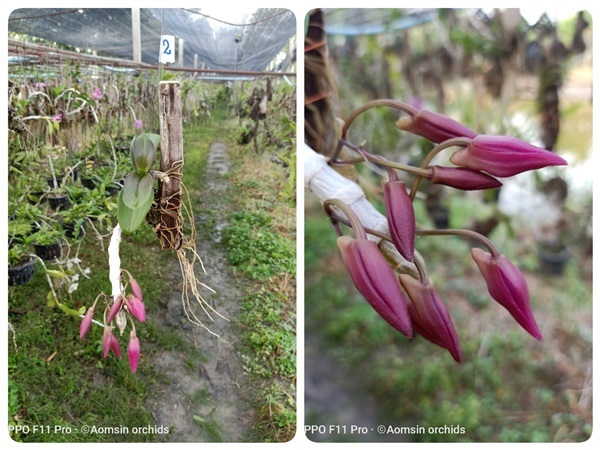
(167, 49)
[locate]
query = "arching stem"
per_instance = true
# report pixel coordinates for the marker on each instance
(454, 142)
(466, 233)
(352, 219)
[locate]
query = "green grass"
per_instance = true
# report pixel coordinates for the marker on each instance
(56, 379)
(259, 240)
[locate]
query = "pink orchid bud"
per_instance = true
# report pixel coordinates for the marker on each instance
(86, 322)
(136, 307)
(429, 315)
(138, 124)
(115, 308)
(96, 94)
(133, 351)
(57, 118)
(435, 127)
(401, 218)
(462, 178)
(375, 280)
(109, 342)
(135, 288)
(504, 156)
(507, 285)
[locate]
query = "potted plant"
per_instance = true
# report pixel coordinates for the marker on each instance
(30, 213)
(58, 199)
(18, 231)
(21, 265)
(73, 220)
(46, 242)
(37, 189)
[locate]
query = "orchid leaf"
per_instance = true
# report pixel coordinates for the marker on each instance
(143, 151)
(136, 190)
(131, 218)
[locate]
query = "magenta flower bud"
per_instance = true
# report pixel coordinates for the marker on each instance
(86, 322)
(375, 280)
(401, 218)
(57, 118)
(504, 156)
(138, 124)
(429, 315)
(109, 342)
(135, 288)
(133, 351)
(462, 178)
(115, 308)
(136, 307)
(508, 287)
(435, 127)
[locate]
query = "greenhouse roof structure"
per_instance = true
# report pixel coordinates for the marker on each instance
(203, 41)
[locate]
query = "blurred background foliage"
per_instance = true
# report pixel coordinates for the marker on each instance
(498, 72)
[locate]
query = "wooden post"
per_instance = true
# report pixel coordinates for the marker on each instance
(136, 35)
(180, 52)
(171, 162)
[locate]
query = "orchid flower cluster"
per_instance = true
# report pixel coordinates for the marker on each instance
(124, 307)
(407, 299)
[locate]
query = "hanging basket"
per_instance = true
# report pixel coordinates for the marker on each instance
(49, 251)
(21, 274)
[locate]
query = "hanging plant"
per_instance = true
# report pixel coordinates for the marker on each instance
(137, 195)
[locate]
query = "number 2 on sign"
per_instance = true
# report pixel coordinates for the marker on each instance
(167, 49)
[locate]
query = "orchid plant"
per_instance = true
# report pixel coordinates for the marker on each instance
(137, 195)
(403, 293)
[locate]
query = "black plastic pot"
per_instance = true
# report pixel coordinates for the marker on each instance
(49, 251)
(21, 274)
(113, 190)
(553, 260)
(50, 181)
(440, 215)
(59, 202)
(69, 228)
(89, 183)
(36, 197)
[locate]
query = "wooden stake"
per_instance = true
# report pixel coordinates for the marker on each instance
(171, 162)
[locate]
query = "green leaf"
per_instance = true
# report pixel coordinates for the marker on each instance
(131, 218)
(55, 273)
(136, 190)
(155, 138)
(143, 151)
(50, 299)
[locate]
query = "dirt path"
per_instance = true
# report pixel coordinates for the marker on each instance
(201, 400)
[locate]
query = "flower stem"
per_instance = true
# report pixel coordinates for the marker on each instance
(381, 102)
(353, 221)
(460, 142)
(465, 233)
(377, 159)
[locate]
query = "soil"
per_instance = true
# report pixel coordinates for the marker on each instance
(201, 399)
